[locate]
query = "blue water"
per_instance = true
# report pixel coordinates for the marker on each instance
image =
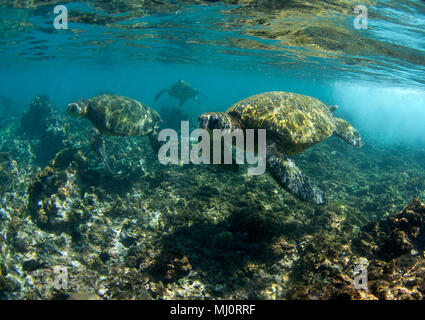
(228, 50)
(384, 98)
(383, 113)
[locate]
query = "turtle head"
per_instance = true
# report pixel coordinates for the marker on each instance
(333, 108)
(78, 108)
(345, 131)
(217, 120)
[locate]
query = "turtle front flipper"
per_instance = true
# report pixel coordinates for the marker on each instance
(160, 93)
(153, 138)
(348, 133)
(97, 144)
(291, 178)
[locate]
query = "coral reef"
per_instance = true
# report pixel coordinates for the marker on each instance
(53, 139)
(54, 192)
(34, 121)
(392, 249)
(44, 127)
(195, 232)
(6, 171)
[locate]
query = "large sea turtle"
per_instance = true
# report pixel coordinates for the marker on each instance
(293, 122)
(115, 115)
(181, 91)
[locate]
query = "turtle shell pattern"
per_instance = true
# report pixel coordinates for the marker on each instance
(121, 116)
(293, 121)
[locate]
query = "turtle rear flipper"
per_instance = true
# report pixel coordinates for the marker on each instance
(348, 133)
(291, 178)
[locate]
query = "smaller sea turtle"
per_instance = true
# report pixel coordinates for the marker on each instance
(181, 91)
(115, 115)
(294, 122)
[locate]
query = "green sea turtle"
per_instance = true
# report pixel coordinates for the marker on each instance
(115, 115)
(181, 91)
(293, 122)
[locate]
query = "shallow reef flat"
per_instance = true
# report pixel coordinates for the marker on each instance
(196, 232)
(392, 249)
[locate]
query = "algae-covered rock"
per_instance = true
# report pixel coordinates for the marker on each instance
(52, 140)
(397, 235)
(253, 223)
(390, 251)
(6, 171)
(3, 283)
(34, 121)
(54, 193)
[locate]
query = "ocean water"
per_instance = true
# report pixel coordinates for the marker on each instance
(186, 231)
